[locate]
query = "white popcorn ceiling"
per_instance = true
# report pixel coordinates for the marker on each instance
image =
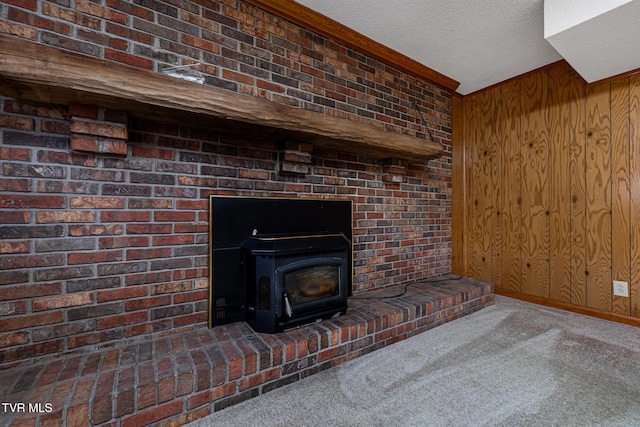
(476, 42)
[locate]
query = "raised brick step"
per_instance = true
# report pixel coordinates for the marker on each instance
(175, 379)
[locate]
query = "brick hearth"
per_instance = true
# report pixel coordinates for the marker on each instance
(175, 379)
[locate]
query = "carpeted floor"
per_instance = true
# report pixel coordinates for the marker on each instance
(511, 364)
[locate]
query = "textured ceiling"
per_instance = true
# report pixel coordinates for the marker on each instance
(480, 43)
(598, 38)
(477, 43)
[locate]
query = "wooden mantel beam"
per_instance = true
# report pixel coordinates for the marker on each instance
(47, 74)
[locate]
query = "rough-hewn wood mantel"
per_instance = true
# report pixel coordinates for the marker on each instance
(46, 74)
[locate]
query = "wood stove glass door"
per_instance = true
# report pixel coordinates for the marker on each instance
(311, 283)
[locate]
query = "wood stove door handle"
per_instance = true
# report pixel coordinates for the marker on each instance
(287, 306)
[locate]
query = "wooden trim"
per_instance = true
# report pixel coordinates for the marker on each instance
(559, 63)
(327, 27)
(617, 76)
(458, 185)
(46, 74)
(600, 314)
(519, 77)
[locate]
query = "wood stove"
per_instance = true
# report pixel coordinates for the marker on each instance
(295, 279)
(278, 263)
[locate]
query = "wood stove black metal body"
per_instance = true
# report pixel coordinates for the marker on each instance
(295, 279)
(250, 235)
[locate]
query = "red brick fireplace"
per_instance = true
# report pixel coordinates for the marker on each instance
(98, 248)
(105, 222)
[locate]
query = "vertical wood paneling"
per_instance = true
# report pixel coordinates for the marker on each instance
(559, 184)
(482, 190)
(496, 187)
(469, 144)
(598, 190)
(535, 191)
(553, 185)
(634, 182)
(577, 128)
(478, 191)
(459, 194)
(620, 191)
(512, 187)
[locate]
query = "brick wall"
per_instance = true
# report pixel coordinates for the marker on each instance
(104, 231)
(240, 48)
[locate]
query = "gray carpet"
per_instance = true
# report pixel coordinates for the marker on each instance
(512, 364)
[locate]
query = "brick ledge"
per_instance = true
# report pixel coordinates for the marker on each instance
(175, 379)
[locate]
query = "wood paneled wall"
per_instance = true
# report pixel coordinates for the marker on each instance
(547, 188)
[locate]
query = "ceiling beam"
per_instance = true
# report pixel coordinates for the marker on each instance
(327, 27)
